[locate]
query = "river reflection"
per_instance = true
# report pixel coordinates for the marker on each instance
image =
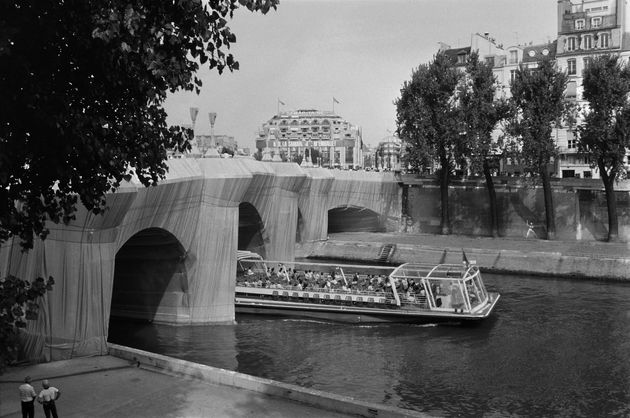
(552, 348)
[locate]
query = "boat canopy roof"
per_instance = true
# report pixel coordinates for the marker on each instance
(440, 272)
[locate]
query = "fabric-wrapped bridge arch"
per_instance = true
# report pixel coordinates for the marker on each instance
(181, 237)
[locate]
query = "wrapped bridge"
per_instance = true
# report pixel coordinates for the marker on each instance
(168, 253)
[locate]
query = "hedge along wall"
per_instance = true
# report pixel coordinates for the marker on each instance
(580, 214)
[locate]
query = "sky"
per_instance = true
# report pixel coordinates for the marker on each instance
(358, 51)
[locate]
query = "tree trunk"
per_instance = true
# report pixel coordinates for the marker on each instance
(611, 201)
(445, 223)
(492, 194)
(550, 216)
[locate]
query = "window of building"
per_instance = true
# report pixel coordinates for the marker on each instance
(461, 58)
(512, 75)
(596, 22)
(579, 24)
(587, 42)
(587, 174)
(513, 57)
(490, 61)
(604, 40)
(571, 91)
(571, 66)
(571, 42)
(572, 143)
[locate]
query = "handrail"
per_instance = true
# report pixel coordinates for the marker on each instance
(317, 290)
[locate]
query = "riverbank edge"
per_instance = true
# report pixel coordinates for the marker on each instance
(503, 261)
(311, 397)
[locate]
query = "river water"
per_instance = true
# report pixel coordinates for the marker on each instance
(553, 347)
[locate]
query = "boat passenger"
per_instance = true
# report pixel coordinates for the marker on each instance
(457, 298)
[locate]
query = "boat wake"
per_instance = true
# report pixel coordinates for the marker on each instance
(310, 321)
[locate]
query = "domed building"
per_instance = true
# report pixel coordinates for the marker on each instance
(387, 154)
(309, 136)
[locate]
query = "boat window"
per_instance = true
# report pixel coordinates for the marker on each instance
(438, 292)
(476, 291)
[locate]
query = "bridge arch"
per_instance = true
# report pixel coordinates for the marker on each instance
(350, 218)
(251, 229)
(150, 277)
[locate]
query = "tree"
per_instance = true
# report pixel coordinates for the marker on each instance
(83, 84)
(17, 305)
(605, 133)
(427, 122)
(82, 111)
(539, 105)
(480, 114)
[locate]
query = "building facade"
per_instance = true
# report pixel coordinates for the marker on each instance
(205, 142)
(586, 28)
(387, 154)
(309, 136)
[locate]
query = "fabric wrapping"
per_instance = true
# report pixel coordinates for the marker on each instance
(274, 193)
(196, 211)
(378, 192)
(313, 204)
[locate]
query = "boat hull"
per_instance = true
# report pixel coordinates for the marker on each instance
(354, 314)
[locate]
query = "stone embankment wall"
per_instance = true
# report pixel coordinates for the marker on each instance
(550, 264)
(580, 205)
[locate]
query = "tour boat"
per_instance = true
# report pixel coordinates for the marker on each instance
(409, 293)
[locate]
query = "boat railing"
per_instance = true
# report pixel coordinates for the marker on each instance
(388, 295)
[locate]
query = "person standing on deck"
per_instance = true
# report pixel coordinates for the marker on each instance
(457, 298)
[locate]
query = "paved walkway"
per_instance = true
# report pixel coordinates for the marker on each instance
(110, 387)
(594, 249)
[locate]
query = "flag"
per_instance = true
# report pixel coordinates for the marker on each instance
(281, 102)
(464, 258)
(335, 100)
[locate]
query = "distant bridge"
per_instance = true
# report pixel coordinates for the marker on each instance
(167, 253)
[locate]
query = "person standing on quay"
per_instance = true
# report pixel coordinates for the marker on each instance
(47, 398)
(27, 396)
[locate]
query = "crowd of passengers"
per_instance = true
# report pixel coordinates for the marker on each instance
(288, 278)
